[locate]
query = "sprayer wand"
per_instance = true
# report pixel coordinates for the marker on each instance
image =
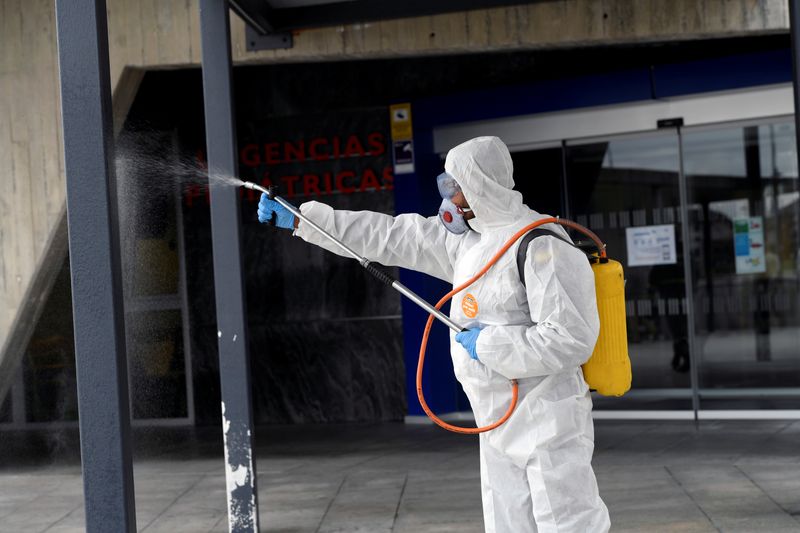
(366, 263)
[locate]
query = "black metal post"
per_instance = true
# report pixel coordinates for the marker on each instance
(95, 266)
(234, 367)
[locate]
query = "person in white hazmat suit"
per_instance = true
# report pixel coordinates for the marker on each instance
(536, 473)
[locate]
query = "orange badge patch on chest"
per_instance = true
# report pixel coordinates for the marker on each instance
(469, 305)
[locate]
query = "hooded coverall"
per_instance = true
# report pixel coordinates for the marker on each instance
(536, 473)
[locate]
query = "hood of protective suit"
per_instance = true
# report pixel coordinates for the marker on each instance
(485, 172)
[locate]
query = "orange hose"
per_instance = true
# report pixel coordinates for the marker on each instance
(514, 387)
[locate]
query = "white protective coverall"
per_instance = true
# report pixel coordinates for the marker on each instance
(536, 472)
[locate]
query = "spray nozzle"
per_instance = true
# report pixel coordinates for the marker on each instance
(271, 191)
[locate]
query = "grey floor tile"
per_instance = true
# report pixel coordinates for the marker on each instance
(654, 477)
(732, 502)
(609, 434)
(191, 519)
(37, 518)
(646, 447)
(662, 506)
(73, 521)
(440, 503)
(296, 503)
(780, 448)
(780, 482)
(365, 503)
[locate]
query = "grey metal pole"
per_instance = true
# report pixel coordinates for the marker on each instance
(98, 316)
(694, 352)
(234, 367)
(794, 30)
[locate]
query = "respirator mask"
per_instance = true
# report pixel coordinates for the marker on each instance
(450, 215)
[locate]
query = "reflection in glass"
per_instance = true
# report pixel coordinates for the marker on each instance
(151, 277)
(5, 409)
(777, 150)
(148, 221)
(742, 185)
(157, 372)
(51, 392)
(538, 176)
(626, 190)
(713, 153)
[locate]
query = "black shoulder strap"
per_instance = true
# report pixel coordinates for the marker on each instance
(522, 251)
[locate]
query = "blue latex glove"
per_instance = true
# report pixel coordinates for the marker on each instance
(468, 339)
(266, 207)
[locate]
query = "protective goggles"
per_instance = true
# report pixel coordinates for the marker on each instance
(448, 186)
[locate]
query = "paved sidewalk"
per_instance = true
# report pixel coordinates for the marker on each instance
(655, 477)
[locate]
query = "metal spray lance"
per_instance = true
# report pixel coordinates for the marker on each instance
(366, 263)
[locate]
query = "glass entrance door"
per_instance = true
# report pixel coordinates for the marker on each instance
(743, 223)
(626, 190)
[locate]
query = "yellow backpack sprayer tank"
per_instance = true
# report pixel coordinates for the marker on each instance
(608, 370)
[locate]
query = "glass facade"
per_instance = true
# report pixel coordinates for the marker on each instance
(154, 319)
(157, 343)
(743, 242)
(743, 250)
(743, 197)
(50, 386)
(5, 410)
(156, 364)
